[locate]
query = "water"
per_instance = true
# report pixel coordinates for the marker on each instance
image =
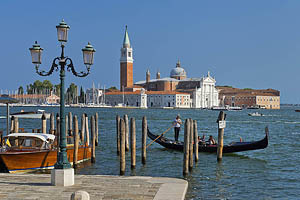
(271, 173)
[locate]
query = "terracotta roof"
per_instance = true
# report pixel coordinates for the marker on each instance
(121, 93)
(165, 92)
(249, 92)
(28, 96)
(147, 92)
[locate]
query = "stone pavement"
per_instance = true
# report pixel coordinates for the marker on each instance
(38, 186)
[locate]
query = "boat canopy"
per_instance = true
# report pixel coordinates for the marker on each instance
(42, 136)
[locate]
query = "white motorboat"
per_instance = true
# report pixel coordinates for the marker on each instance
(31, 114)
(256, 114)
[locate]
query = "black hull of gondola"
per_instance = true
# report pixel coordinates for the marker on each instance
(231, 148)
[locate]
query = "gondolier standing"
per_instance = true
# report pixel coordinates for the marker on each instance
(177, 123)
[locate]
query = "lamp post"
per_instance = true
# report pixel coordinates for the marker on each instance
(65, 64)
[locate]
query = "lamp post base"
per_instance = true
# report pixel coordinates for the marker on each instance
(62, 177)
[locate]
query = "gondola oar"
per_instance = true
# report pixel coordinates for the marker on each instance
(159, 136)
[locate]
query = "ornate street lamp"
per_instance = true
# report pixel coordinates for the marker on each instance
(88, 56)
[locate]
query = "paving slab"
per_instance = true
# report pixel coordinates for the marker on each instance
(38, 186)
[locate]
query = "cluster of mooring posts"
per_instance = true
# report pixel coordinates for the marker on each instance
(71, 131)
(190, 152)
(191, 142)
(123, 144)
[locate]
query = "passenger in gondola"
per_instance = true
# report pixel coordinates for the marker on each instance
(201, 140)
(211, 140)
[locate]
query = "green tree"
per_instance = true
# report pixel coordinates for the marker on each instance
(81, 97)
(112, 88)
(20, 90)
(71, 94)
(47, 86)
(57, 90)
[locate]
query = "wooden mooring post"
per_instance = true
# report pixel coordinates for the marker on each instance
(44, 123)
(133, 143)
(66, 126)
(186, 150)
(52, 125)
(122, 147)
(93, 136)
(76, 142)
(57, 132)
(144, 139)
(191, 149)
(196, 142)
(126, 132)
(16, 125)
(97, 128)
(12, 124)
(70, 132)
(118, 133)
(221, 125)
(87, 130)
(82, 132)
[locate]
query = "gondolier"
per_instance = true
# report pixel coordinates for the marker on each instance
(177, 123)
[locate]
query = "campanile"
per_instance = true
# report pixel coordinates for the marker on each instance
(126, 64)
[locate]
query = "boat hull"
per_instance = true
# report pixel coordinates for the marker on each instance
(34, 160)
(231, 148)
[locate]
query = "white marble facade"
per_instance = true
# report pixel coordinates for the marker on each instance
(207, 95)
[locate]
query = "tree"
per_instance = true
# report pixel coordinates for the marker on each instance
(20, 90)
(71, 93)
(81, 97)
(39, 87)
(112, 88)
(57, 90)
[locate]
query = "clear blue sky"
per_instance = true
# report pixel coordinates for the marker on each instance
(245, 44)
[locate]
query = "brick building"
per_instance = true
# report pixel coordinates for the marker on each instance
(249, 98)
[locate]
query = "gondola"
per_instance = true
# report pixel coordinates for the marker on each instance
(230, 148)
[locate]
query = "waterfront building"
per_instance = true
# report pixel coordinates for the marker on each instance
(207, 96)
(148, 99)
(166, 99)
(93, 95)
(53, 99)
(136, 98)
(250, 98)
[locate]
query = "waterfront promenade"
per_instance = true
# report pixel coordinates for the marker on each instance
(37, 186)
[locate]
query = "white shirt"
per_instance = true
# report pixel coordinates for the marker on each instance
(177, 122)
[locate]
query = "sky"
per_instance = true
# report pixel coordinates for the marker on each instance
(244, 44)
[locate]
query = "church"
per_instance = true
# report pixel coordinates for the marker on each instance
(177, 90)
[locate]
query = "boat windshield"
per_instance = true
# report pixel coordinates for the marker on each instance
(24, 142)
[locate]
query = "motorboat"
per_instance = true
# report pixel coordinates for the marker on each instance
(255, 114)
(23, 152)
(31, 114)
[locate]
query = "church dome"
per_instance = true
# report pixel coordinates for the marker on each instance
(178, 71)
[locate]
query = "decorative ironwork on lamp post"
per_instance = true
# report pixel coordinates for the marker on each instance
(88, 58)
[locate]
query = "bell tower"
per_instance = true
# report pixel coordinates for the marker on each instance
(126, 64)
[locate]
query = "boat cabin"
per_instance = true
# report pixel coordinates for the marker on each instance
(29, 141)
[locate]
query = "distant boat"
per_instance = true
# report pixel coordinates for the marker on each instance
(256, 114)
(31, 114)
(253, 107)
(224, 108)
(297, 110)
(219, 108)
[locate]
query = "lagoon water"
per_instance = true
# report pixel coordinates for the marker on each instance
(271, 173)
